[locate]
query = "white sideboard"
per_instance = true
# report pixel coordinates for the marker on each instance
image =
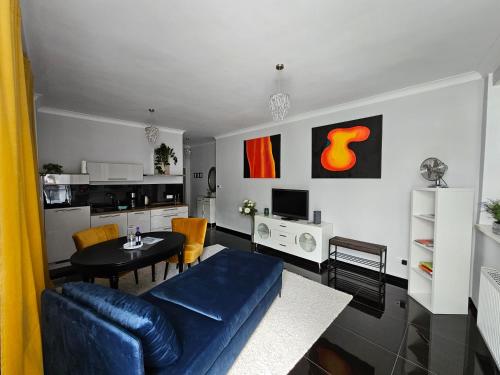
(300, 238)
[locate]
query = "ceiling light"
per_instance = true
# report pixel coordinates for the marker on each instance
(152, 131)
(279, 103)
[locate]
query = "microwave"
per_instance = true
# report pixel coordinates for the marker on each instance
(65, 190)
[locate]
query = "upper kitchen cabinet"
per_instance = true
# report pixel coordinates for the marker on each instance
(114, 172)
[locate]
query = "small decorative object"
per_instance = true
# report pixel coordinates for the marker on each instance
(279, 103)
(51, 168)
(433, 169)
(83, 167)
(266, 211)
(248, 209)
(350, 149)
(493, 208)
(152, 132)
(163, 156)
(317, 217)
(261, 157)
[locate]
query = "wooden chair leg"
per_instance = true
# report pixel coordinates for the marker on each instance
(166, 271)
(136, 276)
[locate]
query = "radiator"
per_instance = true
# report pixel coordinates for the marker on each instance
(488, 312)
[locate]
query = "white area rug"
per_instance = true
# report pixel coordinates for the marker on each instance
(290, 327)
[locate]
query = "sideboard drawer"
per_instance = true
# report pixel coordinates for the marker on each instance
(283, 237)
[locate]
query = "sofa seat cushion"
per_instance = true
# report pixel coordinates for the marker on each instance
(203, 339)
(229, 283)
(159, 340)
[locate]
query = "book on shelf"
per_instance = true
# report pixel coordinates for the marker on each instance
(426, 242)
(426, 267)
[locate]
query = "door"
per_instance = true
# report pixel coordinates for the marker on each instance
(60, 224)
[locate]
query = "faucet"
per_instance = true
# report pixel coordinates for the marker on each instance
(112, 197)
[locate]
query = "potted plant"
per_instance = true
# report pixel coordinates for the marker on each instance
(51, 168)
(248, 209)
(493, 208)
(163, 156)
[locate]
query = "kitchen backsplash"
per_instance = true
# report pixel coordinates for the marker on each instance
(108, 195)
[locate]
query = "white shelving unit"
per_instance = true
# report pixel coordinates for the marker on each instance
(446, 216)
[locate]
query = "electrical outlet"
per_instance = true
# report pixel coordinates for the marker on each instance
(404, 262)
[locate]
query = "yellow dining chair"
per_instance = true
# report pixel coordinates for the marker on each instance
(93, 236)
(195, 230)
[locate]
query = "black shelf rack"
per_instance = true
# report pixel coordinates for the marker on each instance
(345, 269)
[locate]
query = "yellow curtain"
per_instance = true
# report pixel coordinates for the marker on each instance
(22, 259)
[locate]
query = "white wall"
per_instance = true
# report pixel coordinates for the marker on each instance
(444, 122)
(486, 250)
(202, 159)
(67, 138)
(491, 163)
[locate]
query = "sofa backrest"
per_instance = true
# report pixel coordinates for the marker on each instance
(78, 341)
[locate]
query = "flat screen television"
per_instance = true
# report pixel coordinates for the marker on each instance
(290, 204)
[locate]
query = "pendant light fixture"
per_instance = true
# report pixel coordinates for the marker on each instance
(152, 132)
(279, 103)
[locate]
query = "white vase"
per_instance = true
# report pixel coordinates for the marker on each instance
(166, 169)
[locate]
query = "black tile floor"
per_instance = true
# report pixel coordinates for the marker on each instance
(387, 334)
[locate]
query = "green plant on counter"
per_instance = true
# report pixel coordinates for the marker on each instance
(493, 208)
(51, 168)
(163, 155)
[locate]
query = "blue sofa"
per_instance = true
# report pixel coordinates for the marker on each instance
(195, 323)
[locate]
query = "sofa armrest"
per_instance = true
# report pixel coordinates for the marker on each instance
(78, 341)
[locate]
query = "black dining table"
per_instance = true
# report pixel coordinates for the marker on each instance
(109, 259)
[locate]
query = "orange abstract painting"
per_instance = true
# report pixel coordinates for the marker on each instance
(352, 149)
(338, 156)
(262, 157)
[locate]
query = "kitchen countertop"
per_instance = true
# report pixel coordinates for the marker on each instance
(147, 208)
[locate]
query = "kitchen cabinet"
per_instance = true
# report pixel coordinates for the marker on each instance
(205, 208)
(161, 218)
(117, 218)
(60, 224)
(114, 172)
(141, 219)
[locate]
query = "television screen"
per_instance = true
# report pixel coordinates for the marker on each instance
(291, 203)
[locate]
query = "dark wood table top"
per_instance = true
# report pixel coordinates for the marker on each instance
(366, 247)
(109, 258)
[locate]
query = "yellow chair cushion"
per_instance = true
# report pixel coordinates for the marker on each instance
(195, 230)
(92, 236)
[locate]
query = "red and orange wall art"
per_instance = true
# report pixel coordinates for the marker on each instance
(351, 149)
(261, 157)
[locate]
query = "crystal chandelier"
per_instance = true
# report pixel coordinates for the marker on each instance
(151, 131)
(279, 103)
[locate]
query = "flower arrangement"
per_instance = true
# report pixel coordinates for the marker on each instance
(248, 208)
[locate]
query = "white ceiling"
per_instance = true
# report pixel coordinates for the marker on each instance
(208, 66)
